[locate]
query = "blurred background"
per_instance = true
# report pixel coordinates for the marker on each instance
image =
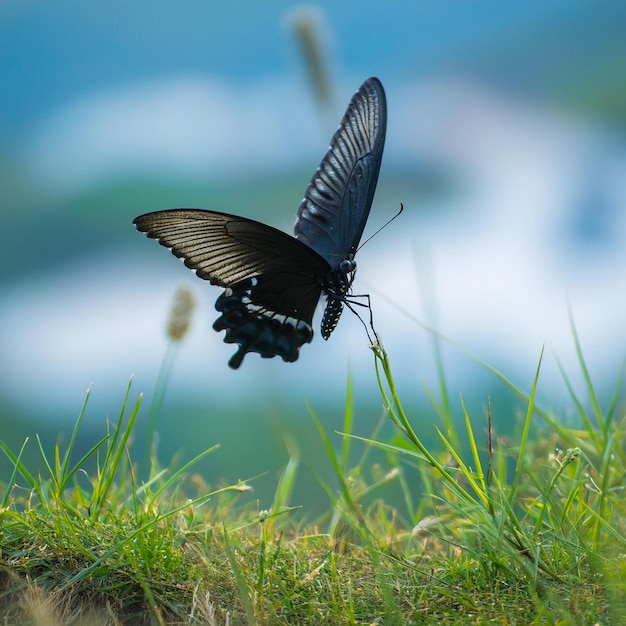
(505, 144)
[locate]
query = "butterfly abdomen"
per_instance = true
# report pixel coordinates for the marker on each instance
(337, 287)
(332, 313)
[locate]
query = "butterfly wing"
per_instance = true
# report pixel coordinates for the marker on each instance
(337, 202)
(273, 282)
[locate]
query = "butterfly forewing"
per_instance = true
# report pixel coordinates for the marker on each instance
(337, 202)
(273, 282)
(225, 249)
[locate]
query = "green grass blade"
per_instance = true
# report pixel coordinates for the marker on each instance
(17, 466)
(583, 366)
(64, 469)
(347, 424)
(179, 472)
(473, 448)
(591, 430)
(615, 397)
(519, 466)
(115, 451)
(245, 593)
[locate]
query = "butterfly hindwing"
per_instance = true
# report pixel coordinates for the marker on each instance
(260, 327)
(273, 282)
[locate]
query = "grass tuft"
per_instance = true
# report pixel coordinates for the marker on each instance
(462, 531)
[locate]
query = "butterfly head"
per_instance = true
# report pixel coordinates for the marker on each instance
(347, 266)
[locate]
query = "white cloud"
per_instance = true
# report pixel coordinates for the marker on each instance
(183, 126)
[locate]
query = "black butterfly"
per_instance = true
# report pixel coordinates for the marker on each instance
(274, 281)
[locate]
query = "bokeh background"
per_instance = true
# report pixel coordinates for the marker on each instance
(505, 144)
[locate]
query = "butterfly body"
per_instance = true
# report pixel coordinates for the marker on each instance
(273, 281)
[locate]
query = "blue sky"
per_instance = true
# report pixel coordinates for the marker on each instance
(54, 52)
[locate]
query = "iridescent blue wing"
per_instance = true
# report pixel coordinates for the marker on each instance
(337, 202)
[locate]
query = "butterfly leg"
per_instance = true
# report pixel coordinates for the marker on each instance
(350, 303)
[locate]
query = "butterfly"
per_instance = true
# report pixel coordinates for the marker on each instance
(273, 281)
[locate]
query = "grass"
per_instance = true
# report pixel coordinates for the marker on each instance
(493, 532)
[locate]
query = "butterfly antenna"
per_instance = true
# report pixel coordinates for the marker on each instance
(383, 226)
